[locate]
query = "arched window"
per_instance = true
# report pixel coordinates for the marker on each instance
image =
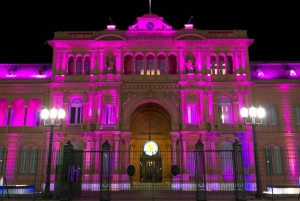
(17, 113)
(23, 162)
(277, 157)
(265, 119)
(139, 65)
(34, 112)
(226, 159)
(229, 65)
(3, 112)
(128, 65)
(161, 65)
(213, 65)
(297, 114)
(87, 65)
(225, 110)
(75, 112)
(78, 65)
(1, 158)
(71, 66)
(150, 68)
(222, 65)
(269, 161)
(33, 159)
(273, 115)
(172, 64)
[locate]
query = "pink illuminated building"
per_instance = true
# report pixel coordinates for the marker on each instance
(175, 86)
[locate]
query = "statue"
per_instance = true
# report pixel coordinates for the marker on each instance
(190, 66)
(109, 64)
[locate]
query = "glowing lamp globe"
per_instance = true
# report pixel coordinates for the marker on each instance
(244, 112)
(53, 113)
(150, 148)
(45, 114)
(252, 112)
(261, 112)
(61, 113)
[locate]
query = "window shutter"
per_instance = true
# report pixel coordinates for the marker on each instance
(273, 115)
(1, 158)
(33, 159)
(297, 114)
(269, 164)
(23, 161)
(278, 164)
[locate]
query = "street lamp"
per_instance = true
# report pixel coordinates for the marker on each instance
(254, 113)
(46, 115)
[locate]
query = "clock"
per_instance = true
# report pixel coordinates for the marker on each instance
(150, 25)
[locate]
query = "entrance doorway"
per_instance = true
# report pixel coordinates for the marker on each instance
(150, 169)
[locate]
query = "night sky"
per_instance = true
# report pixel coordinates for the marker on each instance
(26, 26)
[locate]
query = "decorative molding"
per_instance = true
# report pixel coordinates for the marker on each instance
(126, 97)
(189, 38)
(174, 96)
(150, 95)
(150, 87)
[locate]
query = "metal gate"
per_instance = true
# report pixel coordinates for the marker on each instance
(196, 174)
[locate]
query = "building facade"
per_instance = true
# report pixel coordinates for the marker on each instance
(150, 83)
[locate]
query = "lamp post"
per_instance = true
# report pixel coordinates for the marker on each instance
(253, 114)
(53, 113)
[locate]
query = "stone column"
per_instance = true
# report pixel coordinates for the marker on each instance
(92, 65)
(127, 152)
(181, 61)
(184, 153)
(119, 61)
(199, 61)
(88, 155)
(91, 106)
(97, 153)
(182, 99)
(101, 61)
(118, 106)
(99, 104)
(174, 151)
(25, 115)
(201, 109)
(210, 105)
(117, 147)
(64, 63)
(56, 157)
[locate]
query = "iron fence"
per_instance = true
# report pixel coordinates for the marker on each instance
(23, 174)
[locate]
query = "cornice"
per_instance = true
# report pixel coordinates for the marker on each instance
(229, 41)
(149, 86)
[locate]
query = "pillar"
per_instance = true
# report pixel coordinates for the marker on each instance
(25, 114)
(174, 151)
(127, 152)
(99, 104)
(210, 106)
(184, 154)
(201, 109)
(182, 94)
(119, 62)
(117, 150)
(101, 61)
(181, 62)
(97, 164)
(199, 61)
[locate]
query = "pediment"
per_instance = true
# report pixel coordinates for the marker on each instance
(150, 22)
(190, 37)
(110, 37)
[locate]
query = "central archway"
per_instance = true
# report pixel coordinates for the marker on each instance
(151, 122)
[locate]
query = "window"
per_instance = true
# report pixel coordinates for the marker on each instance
(161, 65)
(23, 162)
(109, 114)
(265, 119)
(229, 65)
(87, 64)
(192, 113)
(33, 159)
(277, 157)
(71, 66)
(128, 65)
(273, 115)
(273, 160)
(222, 65)
(150, 68)
(139, 65)
(225, 110)
(213, 65)
(269, 162)
(75, 112)
(226, 159)
(1, 158)
(78, 65)
(297, 114)
(172, 64)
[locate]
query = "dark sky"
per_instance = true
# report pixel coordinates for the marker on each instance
(26, 26)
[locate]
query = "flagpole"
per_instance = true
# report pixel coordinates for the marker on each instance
(149, 6)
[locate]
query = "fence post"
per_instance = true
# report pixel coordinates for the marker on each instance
(238, 169)
(65, 191)
(200, 172)
(105, 172)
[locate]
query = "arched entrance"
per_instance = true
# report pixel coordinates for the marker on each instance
(150, 125)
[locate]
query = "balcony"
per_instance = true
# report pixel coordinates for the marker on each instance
(227, 126)
(150, 78)
(22, 129)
